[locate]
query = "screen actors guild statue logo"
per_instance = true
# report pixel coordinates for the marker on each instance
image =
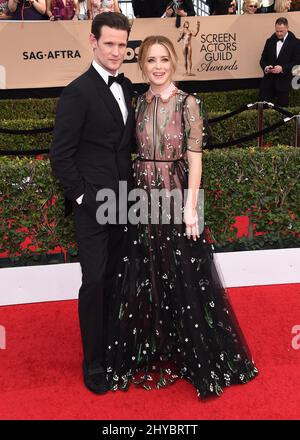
(186, 36)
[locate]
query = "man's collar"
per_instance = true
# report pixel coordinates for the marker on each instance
(102, 72)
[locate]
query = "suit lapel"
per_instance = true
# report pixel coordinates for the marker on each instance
(130, 118)
(285, 43)
(103, 90)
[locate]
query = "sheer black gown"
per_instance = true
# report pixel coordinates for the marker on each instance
(170, 317)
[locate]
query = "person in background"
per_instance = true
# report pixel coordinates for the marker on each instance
(267, 6)
(83, 15)
(250, 7)
(4, 10)
(62, 9)
(146, 8)
(282, 5)
(96, 7)
(222, 7)
(280, 54)
(27, 9)
(182, 8)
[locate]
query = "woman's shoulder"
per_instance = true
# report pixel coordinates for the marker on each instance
(189, 98)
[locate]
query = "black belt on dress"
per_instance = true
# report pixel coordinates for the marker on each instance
(144, 159)
(173, 161)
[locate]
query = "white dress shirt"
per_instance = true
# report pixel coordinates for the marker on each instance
(115, 88)
(280, 44)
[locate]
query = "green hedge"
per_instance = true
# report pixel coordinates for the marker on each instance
(246, 123)
(11, 109)
(27, 208)
(228, 101)
(25, 141)
(215, 102)
(262, 184)
(233, 128)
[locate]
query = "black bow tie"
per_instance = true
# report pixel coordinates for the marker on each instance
(280, 39)
(119, 79)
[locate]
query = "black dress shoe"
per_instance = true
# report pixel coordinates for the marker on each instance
(95, 378)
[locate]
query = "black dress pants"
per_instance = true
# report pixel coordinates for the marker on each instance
(100, 249)
(269, 93)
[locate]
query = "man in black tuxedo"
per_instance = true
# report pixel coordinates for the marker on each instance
(91, 150)
(281, 53)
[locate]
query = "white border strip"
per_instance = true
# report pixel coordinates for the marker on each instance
(58, 282)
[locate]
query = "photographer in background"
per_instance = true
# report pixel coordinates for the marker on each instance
(222, 7)
(181, 8)
(280, 54)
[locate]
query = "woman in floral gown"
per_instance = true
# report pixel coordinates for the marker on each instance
(170, 316)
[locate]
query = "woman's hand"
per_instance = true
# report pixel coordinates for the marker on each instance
(180, 12)
(190, 219)
(169, 12)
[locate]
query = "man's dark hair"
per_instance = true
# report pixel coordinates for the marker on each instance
(114, 20)
(282, 20)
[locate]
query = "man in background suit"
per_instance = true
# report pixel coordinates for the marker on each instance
(91, 150)
(281, 53)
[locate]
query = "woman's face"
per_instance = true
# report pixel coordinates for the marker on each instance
(288, 5)
(158, 66)
(251, 8)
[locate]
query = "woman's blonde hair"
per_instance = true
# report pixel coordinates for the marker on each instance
(246, 3)
(149, 42)
(280, 5)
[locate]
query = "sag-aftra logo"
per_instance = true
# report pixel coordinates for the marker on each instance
(51, 55)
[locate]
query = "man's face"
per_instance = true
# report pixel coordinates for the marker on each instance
(109, 50)
(281, 30)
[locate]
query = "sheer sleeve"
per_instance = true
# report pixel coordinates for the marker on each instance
(194, 124)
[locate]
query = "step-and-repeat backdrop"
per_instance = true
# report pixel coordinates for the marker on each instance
(51, 54)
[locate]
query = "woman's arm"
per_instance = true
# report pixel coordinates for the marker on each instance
(39, 5)
(77, 10)
(117, 7)
(49, 8)
(89, 10)
(194, 132)
(12, 5)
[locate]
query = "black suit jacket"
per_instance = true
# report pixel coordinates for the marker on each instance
(91, 145)
(146, 8)
(289, 56)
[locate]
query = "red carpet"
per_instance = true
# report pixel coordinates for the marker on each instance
(40, 370)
